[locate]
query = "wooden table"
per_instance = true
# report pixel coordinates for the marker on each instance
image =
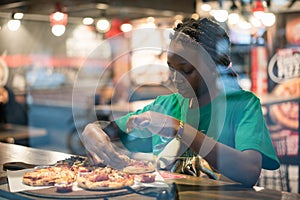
(189, 187)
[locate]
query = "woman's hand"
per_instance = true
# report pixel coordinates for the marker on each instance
(100, 148)
(155, 122)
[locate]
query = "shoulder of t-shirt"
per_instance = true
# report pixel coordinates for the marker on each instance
(242, 96)
(174, 97)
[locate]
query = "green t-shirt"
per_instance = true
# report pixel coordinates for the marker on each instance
(234, 119)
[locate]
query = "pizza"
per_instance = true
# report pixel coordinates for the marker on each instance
(49, 176)
(139, 167)
(107, 177)
(87, 176)
(63, 171)
(287, 114)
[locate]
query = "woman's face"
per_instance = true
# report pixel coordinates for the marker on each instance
(186, 77)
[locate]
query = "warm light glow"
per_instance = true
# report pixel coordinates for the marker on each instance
(205, 7)
(126, 27)
(103, 25)
(18, 15)
(13, 24)
(57, 16)
(255, 21)
(258, 14)
(233, 18)
(220, 15)
(58, 30)
(244, 25)
(195, 16)
(258, 9)
(102, 6)
(150, 19)
(268, 19)
(87, 21)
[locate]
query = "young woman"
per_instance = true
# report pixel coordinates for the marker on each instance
(210, 116)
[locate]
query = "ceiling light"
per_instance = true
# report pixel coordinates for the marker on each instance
(18, 15)
(244, 25)
(102, 6)
(126, 26)
(268, 19)
(258, 9)
(58, 20)
(220, 15)
(255, 21)
(103, 25)
(205, 7)
(58, 30)
(13, 24)
(87, 21)
(233, 18)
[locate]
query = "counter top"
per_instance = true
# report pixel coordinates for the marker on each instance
(188, 187)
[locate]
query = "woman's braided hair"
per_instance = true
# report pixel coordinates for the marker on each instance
(214, 39)
(210, 35)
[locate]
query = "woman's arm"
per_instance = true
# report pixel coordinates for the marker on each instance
(240, 166)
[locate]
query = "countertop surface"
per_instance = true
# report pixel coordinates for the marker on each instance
(188, 187)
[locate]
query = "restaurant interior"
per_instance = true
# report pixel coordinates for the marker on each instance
(70, 63)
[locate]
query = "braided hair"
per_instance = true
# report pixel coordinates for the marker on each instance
(213, 38)
(210, 35)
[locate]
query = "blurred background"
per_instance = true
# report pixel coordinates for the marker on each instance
(46, 46)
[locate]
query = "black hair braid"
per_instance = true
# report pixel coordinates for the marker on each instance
(210, 35)
(214, 39)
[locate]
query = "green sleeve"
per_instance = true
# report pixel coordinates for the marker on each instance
(135, 141)
(143, 141)
(252, 133)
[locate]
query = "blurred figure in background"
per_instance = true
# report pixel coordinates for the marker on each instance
(11, 111)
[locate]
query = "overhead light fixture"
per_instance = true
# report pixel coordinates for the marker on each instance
(87, 21)
(103, 24)
(233, 18)
(206, 7)
(220, 15)
(102, 6)
(258, 9)
(126, 26)
(58, 20)
(268, 19)
(18, 15)
(14, 23)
